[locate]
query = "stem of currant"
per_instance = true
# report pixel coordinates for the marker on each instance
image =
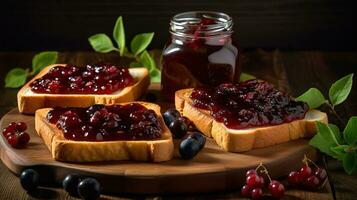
(333, 111)
(263, 171)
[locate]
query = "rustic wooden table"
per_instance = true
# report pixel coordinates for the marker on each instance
(291, 71)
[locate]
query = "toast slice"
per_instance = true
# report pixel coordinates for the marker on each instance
(66, 150)
(29, 102)
(246, 139)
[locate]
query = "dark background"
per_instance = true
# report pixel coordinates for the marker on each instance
(35, 25)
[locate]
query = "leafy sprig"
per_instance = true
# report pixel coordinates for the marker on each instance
(329, 139)
(102, 43)
(17, 77)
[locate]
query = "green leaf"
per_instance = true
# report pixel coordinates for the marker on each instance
(350, 162)
(325, 139)
(313, 97)
(340, 90)
(101, 43)
(42, 60)
(350, 132)
(326, 132)
(324, 146)
(336, 131)
(16, 78)
(339, 151)
(135, 64)
(245, 77)
(119, 35)
(155, 76)
(147, 60)
(140, 42)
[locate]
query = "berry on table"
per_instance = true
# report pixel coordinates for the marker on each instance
(250, 172)
(312, 183)
(70, 184)
(170, 115)
(15, 134)
(89, 188)
(199, 137)
(294, 178)
(246, 191)
(321, 174)
(254, 181)
(257, 193)
(21, 126)
(29, 179)
(189, 148)
(276, 189)
(178, 128)
(305, 171)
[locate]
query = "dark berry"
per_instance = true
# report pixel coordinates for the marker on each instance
(251, 172)
(320, 174)
(246, 191)
(89, 188)
(312, 182)
(70, 184)
(257, 193)
(276, 189)
(305, 172)
(254, 181)
(21, 126)
(23, 138)
(170, 115)
(199, 137)
(294, 179)
(29, 179)
(189, 148)
(178, 128)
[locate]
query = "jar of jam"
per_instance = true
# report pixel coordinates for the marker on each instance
(200, 51)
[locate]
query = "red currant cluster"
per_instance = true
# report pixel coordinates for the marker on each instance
(15, 134)
(307, 178)
(255, 183)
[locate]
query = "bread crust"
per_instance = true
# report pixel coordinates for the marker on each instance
(246, 139)
(66, 150)
(28, 104)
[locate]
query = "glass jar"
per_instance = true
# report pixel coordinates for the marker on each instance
(200, 51)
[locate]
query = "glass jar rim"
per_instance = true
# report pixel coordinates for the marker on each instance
(182, 22)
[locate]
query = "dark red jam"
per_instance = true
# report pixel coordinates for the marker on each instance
(200, 51)
(98, 79)
(248, 104)
(106, 123)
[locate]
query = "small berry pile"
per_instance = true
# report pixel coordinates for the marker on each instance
(255, 183)
(75, 184)
(15, 134)
(192, 142)
(308, 178)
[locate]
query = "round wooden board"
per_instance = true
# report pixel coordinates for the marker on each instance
(211, 170)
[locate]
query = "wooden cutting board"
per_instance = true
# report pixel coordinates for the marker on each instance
(211, 170)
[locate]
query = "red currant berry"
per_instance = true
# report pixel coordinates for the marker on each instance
(276, 189)
(23, 138)
(312, 182)
(250, 172)
(246, 191)
(11, 128)
(254, 181)
(21, 126)
(305, 172)
(257, 193)
(12, 140)
(294, 178)
(320, 174)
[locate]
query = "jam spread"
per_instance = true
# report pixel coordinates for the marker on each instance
(98, 79)
(253, 103)
(201, 51)
(106, 123)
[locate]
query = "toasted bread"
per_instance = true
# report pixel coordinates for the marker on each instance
(29, 102)
(66, 150)
(246, 139)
